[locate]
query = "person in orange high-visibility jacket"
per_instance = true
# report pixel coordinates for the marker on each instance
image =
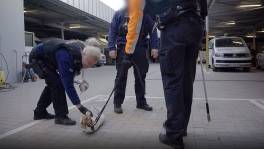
(116, 46)
(181, 23)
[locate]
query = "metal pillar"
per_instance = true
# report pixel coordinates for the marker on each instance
(210, 4)
(254, 40)
(207, 41)
(62, 31)
(12, 29)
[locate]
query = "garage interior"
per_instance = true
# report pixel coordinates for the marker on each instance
(54, 18)
(243, 18)
(235, 96)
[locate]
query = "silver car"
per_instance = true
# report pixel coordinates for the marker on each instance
(102, 61)
(260, 60)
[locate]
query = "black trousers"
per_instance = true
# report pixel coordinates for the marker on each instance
(179, 50)
(142, 65)
(53, 93)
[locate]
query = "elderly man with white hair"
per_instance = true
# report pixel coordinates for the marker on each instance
(58, 62)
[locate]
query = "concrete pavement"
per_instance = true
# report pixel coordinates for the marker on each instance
(236, 102)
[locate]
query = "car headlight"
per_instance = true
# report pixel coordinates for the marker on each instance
(219, 55)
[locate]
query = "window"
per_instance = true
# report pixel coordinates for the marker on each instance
(29, 39)
(229, 42)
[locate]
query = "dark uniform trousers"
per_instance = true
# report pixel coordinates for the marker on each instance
(180, 42)
(53, 93)
(141, 61)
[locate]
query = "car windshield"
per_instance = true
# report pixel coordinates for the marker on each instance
(229, 42)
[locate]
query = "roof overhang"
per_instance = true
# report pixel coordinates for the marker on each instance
(59, 15)
(236, 17)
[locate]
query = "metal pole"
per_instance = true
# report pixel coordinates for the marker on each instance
(207, 42)
(62, 31)
(205, 91)
(16, 67)
(210, 4)
(254, 40)
(62, 34)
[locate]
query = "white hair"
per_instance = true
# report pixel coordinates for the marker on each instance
(92, 42)
(92, 48)
(75, 41)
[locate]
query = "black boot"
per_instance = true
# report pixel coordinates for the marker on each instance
(64, 120)
(118, 109)
(145, 107)
(176, 144)
(39, 115)
(185, 134)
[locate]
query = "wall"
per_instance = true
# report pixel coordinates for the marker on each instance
(94, 7)
(12, 36)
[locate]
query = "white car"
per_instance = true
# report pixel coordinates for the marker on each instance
(229, 52)
(102, 61)
(260, 60)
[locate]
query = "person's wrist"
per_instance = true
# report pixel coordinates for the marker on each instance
(113, 52)
(128, 54)
(78, 105)
(83, 109)
(128, 57)
(112, 49)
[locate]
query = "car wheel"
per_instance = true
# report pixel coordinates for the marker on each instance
(98, 65)
(257, 65)
(213, 67)
(246, 69)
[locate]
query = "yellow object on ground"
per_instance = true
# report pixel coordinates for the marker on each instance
(2, 78)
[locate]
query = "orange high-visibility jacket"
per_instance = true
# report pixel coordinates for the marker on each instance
(135, 11)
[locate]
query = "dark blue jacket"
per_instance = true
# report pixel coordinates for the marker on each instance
(154, 7)
(65, 67)
(147, 27)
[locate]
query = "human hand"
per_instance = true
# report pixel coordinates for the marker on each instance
(84, 110)
(112, 54)
(155, 53)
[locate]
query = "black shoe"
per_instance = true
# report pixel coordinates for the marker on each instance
(176, 144)
(185, 134)
(64, 120)
(145, 107)
(118, 109)
(42, 115)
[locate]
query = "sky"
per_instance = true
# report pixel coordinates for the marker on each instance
(115, 4)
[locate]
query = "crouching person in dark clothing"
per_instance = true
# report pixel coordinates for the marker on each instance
(58, 62)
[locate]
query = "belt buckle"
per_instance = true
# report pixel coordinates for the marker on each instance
(178, 7)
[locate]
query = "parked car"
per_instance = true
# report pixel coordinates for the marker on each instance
(260, 60)
(102, 61)
(229, 52)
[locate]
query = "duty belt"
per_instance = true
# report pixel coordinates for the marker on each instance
(170, 16)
